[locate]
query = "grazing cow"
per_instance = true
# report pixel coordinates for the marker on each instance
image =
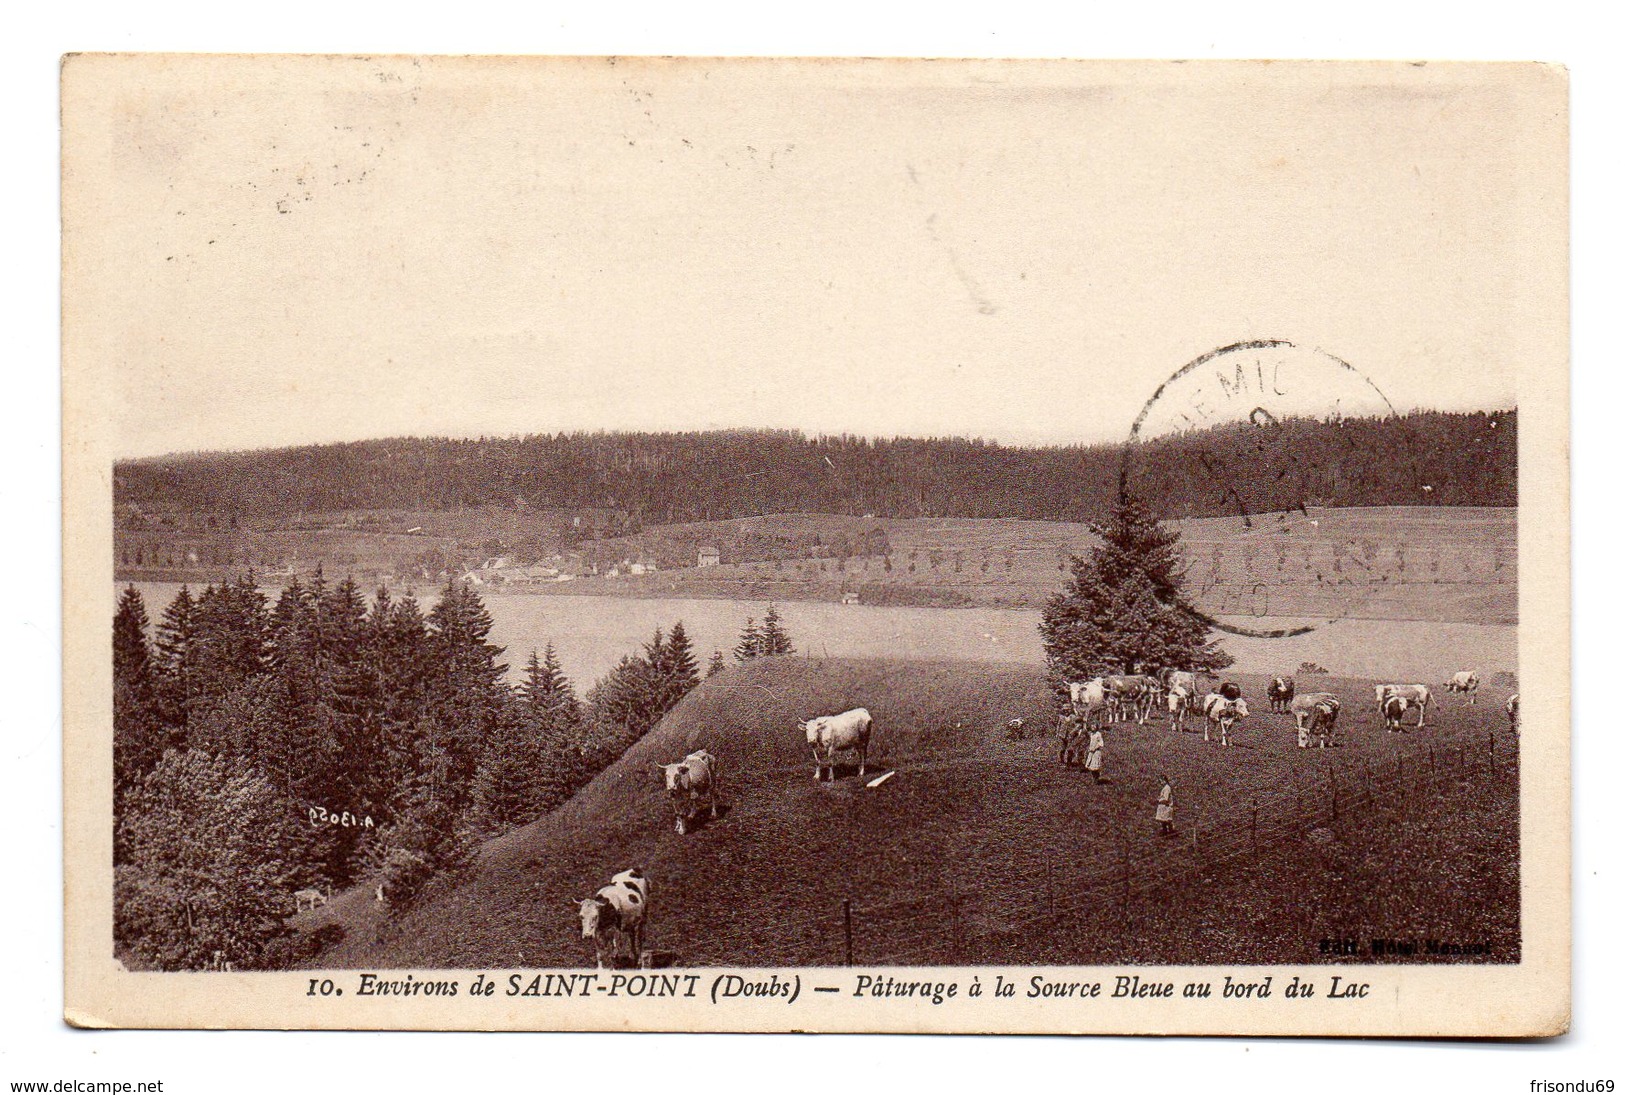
(1280, 692)
(310, 899)
(1315, 713)
(1415, 695)
(1512, 711)
(1179, 701)
(1393, 709)
(692, 785)
(1222, 711)
(618, 911)
(1465, 682)
(828, 733)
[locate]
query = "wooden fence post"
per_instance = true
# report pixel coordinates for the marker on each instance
(1492, 748)
(1333, 770)
(1255, 825)
(846, 919)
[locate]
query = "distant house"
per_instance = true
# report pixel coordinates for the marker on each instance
(849, 598)
(709, 556)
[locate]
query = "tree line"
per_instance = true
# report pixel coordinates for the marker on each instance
(318, 741)
(1467, 459)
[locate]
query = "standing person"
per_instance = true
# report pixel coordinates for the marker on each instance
(1165, 807)
(1097, 753)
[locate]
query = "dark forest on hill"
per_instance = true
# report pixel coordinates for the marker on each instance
(1423, 458)
(269, 752)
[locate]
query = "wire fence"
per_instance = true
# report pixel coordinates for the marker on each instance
(1042, 890)
(1046, 891)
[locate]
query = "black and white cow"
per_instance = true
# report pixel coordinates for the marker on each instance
(692, 784)
(618, 911)
(827, 734)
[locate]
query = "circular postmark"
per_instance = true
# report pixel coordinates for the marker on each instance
(1269, 417)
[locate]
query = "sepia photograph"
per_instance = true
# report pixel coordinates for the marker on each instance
(848, 545)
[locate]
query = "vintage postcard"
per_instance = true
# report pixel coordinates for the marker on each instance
(769, 545)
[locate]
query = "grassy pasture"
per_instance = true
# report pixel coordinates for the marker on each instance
(984, 848)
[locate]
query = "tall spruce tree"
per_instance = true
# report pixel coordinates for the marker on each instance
(1123, 606)
(750, 642)
(775, 640)
(138, 729)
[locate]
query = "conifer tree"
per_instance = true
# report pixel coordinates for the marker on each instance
(775, 640)
(138, 730)
(750, 642)
(173, 642)
(680, 673)
(1122, 608)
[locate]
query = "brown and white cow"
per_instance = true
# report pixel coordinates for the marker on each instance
(1394, 707)
(1465, 682)
(692, 784)
(1280, 693)
(1315, 714)
(1222, 713)
(617, 912)
(828, 734)
(1414, 695)
(1179, 702)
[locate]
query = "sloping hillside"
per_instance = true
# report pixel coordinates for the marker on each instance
(973, 831)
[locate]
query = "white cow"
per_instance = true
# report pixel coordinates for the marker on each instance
(1178, 678)
(1222, 712)
(1089, 701)
(618, 911)
(1179, 701)
(1315, 713)
(1465, 682)
(692, 784)
(308, 899)
(828, 733)
(1415, 695)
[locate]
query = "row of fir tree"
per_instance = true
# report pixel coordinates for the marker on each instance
(320, 741)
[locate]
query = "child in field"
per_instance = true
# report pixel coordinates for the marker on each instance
(1097, 753)
(1165, 807)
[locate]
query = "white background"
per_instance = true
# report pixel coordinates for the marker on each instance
(36, 1045)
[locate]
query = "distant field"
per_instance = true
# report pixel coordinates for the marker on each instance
(1442, 564)
(1423, 564)
(984, 848)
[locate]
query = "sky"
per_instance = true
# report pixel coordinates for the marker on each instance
(293, 250)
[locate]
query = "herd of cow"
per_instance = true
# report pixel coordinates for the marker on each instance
(1102, 701)
(619, 910)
